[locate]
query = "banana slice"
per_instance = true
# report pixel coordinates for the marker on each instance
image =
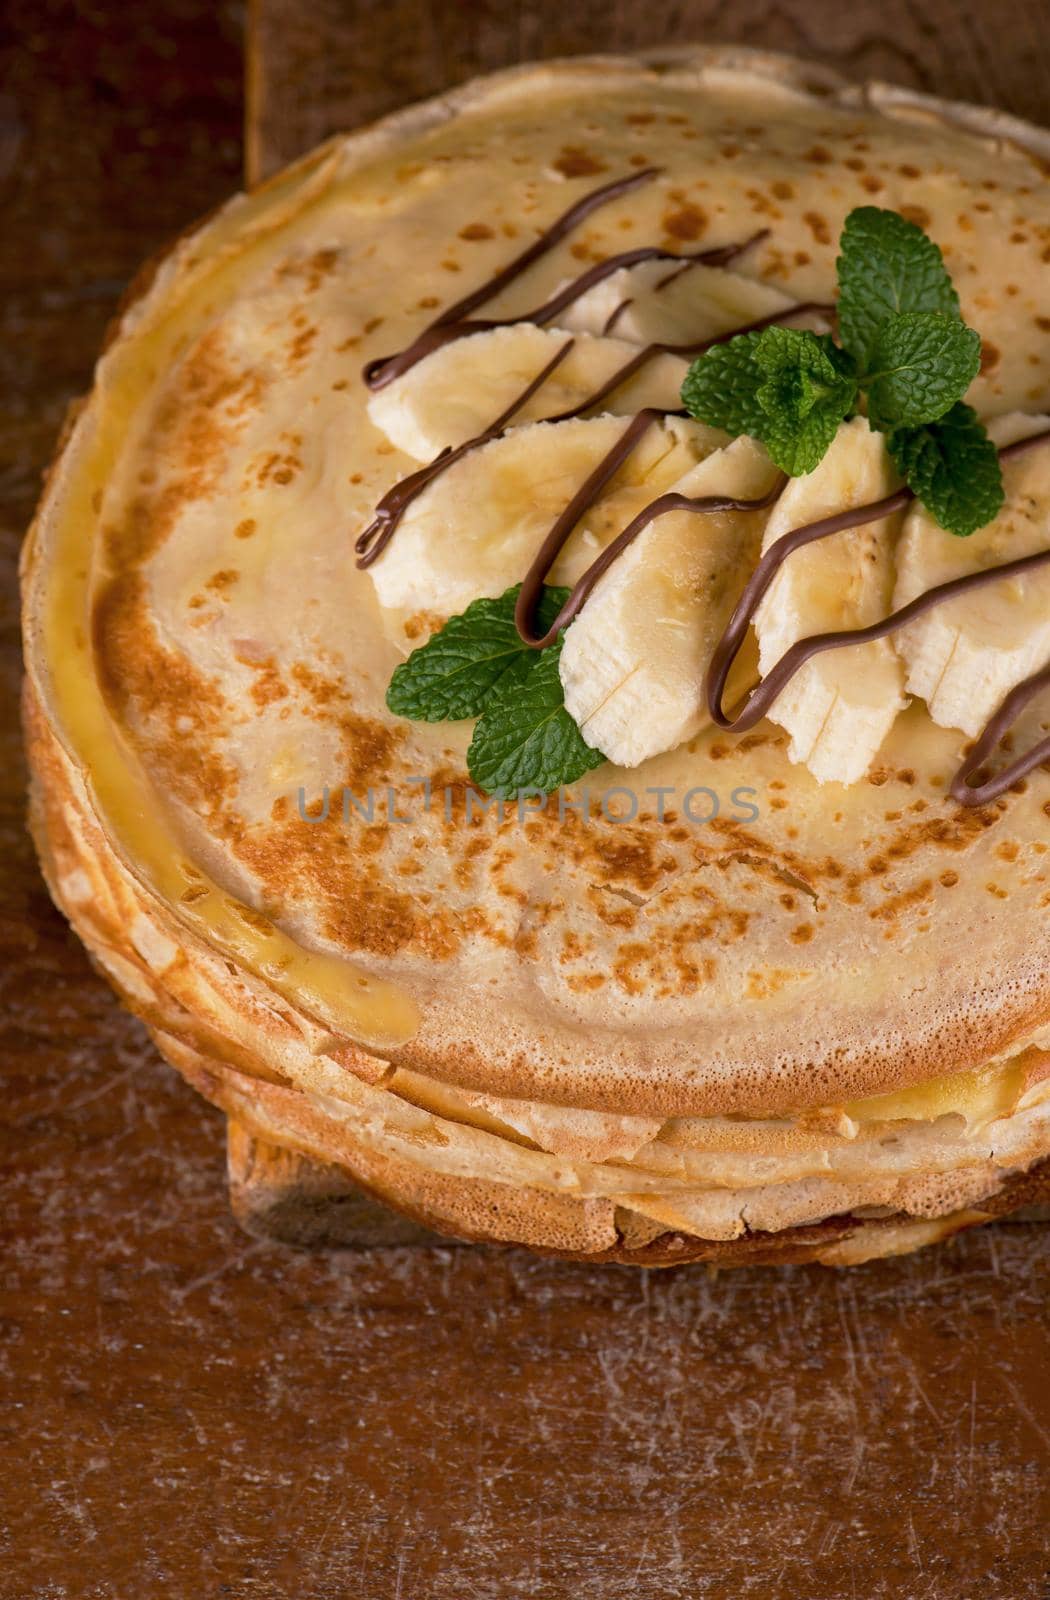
(841, 705)
(699, 303)
(476, 528)
(633, 662)
(459, 390)
(964, 657)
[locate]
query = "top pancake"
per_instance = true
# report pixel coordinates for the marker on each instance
(843, 942)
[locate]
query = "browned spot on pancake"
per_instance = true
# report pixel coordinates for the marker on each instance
(917, 214)
(640, 119)
(197, 417)
(871, 183)
(802, 258)
(802, 934)
(299, 346)
(818, 154)
(176, 712)
(575, 162)
(223, 581)
(764, 984)
(585, 982)
(818, 226)
(892, 908)
(312, 270)
(990, 356)
(688, 222)
(476, 230)
(783, 188)
(1043, 324)
(280, 467)
(245, 529)
(763, 206)
(269, 685)
(422, 622)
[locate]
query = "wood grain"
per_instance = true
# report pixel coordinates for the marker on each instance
(191, 1414)
(334, 64)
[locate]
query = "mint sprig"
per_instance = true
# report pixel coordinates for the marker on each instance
(887, 267)
(526, 740)
(477, 652)
(905, 350)
(478, 666)
(923, 363)
(808, 387)
(953, 467)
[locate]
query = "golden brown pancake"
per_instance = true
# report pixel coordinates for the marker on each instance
(587, 1035)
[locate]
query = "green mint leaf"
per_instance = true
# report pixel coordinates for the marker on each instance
(453, 675)
(922, 362)
(526, 739)
(953, 467)
(887, 266)
(721, 387)
(787, 387)
(808, 387)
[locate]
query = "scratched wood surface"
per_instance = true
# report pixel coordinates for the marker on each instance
(187, 1412)
(329, 64)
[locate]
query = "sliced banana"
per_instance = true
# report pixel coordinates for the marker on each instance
(841, 705)
(698, 303)
(475, 529)
(462, 387)
(633, 662)
(963, 657)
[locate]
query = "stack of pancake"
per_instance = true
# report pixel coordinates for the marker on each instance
(810, 1021)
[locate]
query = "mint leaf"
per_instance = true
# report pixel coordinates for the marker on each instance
(474, 654)
(787, 387)
(922, 361)
(887, 267)
(953, 467)
(526, 739)
(809, 386)
(721, 387)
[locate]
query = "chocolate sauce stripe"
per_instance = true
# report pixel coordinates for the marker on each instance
(453, 322)
(385, 369)
(758, 700)
(370, 544)
(666, 503)
(969, 794)
(389, 367)
(756, 704)
(373, 541)
(696, 348)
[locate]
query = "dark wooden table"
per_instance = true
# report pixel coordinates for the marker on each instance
(188, 1412)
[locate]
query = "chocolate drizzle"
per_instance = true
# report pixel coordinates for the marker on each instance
(979, 794)
(455, 321)
(388, 513)
(585, 496)
(758, 701)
